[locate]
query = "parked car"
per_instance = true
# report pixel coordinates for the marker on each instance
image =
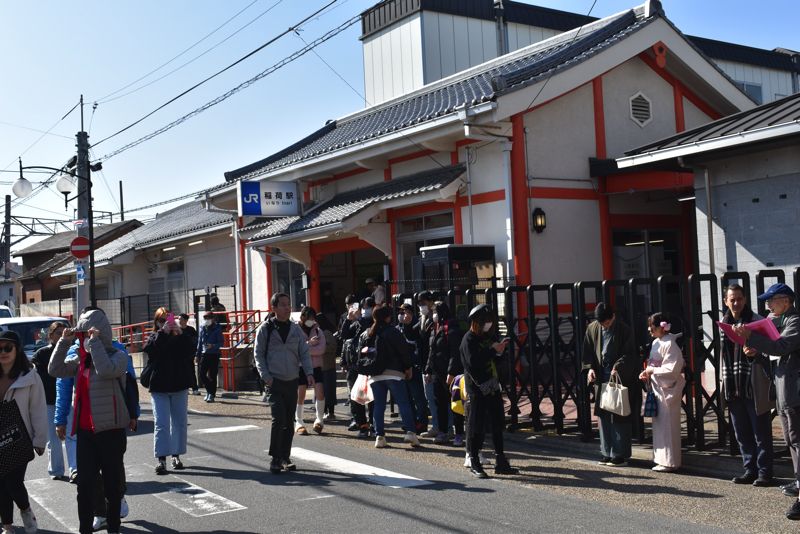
(5, 312)
(31, 330)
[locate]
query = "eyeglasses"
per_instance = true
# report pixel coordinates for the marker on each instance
(7, 348)
(776, 298)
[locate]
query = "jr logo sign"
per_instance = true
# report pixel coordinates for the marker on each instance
(268, 199)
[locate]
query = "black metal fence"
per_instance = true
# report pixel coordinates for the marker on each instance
(547, 323)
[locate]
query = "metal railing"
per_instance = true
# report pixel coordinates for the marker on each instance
(547, 325)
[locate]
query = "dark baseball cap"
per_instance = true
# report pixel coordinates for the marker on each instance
(775, 290)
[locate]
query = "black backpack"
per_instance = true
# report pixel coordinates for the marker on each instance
(370, 361)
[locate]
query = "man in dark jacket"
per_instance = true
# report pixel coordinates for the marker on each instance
(786, 349)
(443, 365)
(423, 326)
(609, 350)
(416, 388)
(209, 344)
(746, 384)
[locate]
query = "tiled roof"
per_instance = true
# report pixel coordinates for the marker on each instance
(783, 111)
(59, 259)
(60, 241)
(474, 86)
(350, 203)
(721, 50)
(183, 220)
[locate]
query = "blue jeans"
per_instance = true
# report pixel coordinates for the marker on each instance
(55, 456)
(71, 444)
(615, 438)
(170, 413)
(754, 434)
(380, 390)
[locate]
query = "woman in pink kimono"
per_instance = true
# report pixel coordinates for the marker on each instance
(665, 374)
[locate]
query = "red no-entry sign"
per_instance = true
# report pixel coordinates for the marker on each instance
(79, 247)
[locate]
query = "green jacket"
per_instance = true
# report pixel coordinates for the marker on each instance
(623, 354)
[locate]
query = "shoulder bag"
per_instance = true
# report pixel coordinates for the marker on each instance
(16, 447)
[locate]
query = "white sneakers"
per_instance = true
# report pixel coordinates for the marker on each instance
(412, 439)
(29, 521)
(99, 523)
(481, 458)
(380, 442)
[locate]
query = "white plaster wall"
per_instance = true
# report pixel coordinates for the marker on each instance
(774, 83)
(393, 61)
(425, 163)
(522, 35)
(489, 221)
(692, 116)
(258, 297)
(560, 136)
(135, 277)
(327, 191)
(569, 248)
(619, 85)
(211, 263)
(452, 43)
(486, 170)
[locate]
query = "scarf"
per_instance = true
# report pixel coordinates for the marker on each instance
(735, 365)
(82, 386)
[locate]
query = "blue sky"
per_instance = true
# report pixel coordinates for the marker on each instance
(54, 51)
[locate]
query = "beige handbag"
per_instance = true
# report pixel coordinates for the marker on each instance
(614, 397)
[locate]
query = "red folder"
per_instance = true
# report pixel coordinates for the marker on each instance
(765, 327)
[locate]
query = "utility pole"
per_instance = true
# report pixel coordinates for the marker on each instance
(121, 203)
(7, 238)
(83, 291)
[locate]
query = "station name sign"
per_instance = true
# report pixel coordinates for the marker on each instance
(268, 199)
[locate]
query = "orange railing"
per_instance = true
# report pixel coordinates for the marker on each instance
(239, 334)
(133, 336)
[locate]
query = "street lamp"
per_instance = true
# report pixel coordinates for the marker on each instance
(65, 185)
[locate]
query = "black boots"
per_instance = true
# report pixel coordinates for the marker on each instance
(502, 467)
(476, 469)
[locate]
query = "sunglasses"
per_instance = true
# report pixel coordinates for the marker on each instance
(7, 348)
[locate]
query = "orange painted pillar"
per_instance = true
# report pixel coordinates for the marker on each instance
(314, 292)
(519, 203)
(242, 266)
(600, 144)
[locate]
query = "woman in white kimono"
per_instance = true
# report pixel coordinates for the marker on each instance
(665, 373)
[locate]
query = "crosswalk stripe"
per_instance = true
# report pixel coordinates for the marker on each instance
(222, 429)
(194, 500)
(52, 497)
(348, 467)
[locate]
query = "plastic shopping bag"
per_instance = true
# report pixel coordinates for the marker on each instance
(361, 392)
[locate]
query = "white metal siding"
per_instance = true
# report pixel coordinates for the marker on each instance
(452, 43)
(521, 35)
(393, 61)
(773, 82)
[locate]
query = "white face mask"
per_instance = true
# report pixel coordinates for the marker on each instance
(423, 310)
(367, 312)
(487, 326)
(309, 323)
(435, 317)
(208, 322)
(401, 318)
(86, 343)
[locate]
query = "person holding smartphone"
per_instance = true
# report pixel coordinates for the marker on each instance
(479, 354)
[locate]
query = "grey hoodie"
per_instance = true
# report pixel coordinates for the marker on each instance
(106, 389)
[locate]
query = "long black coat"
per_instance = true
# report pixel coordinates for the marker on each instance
(172, 358)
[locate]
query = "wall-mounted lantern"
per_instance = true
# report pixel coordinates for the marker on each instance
(539, 220)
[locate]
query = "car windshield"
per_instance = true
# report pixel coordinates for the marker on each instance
(32, 334)
(5, 313)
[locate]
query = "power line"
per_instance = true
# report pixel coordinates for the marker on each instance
(44, 134)
(105, 182)
(243, 58)
(106, 100)
(35, 130)
(103, 98)
(244, 85)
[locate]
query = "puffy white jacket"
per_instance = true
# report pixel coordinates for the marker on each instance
(28, 391)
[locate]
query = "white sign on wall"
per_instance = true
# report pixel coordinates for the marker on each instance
(268, 199)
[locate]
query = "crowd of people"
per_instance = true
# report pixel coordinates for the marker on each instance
(79, 395)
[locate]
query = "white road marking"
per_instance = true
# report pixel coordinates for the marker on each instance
(194, 500)
(51, 495)
(222, 429)
(199, 412)
(348, 467)
(316, 498)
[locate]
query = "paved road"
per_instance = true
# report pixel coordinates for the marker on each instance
(343, 485)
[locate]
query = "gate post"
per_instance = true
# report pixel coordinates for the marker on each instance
(579, 313)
